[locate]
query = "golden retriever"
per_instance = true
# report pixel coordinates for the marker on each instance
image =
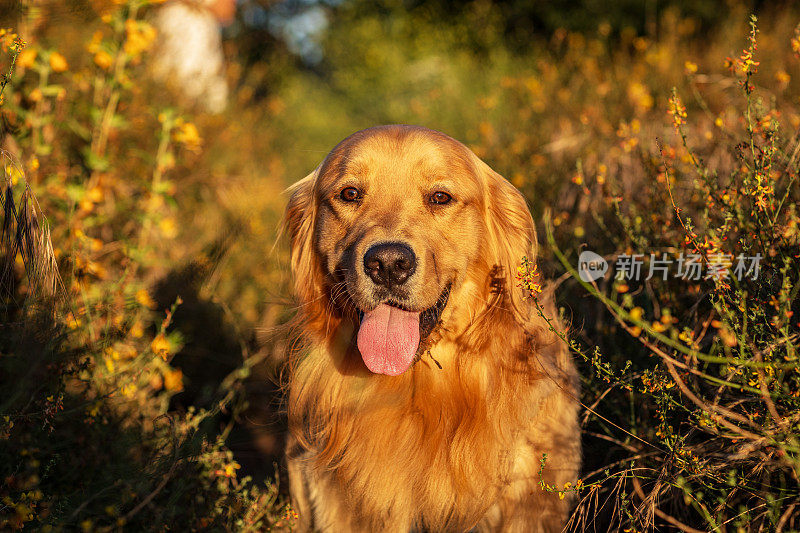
(427, 388)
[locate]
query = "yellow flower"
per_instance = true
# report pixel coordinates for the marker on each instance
(58, 63)
(94, 45)
(188, 135)
(173, 380)
(140, 36)
(27, 58)
(168, 227)
(690, 67)
(103, 59)
(95, 194)
(143, 298)
(160, 346)
(230, 469)
(676, 110)
(137, 330)
(640, 96)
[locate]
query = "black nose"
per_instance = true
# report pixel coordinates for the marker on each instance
(389, 263)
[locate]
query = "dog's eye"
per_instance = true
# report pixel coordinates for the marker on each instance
(350, 194)
(440, 198)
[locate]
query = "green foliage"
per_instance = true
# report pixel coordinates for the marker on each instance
(88, 437)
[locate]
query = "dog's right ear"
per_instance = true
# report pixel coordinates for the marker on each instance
(298, 222)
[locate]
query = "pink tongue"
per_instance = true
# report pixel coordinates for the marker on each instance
(388, 339)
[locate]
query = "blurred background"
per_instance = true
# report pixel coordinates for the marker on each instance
(157, 139)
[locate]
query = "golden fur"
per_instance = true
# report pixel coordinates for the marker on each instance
(437, 449)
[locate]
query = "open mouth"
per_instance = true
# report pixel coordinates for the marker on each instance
(389, 336)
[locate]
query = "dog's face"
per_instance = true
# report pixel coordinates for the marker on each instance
(398, 218)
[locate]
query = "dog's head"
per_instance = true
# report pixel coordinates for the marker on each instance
(401, 227)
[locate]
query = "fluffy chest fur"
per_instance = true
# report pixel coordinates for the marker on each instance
(441, 441)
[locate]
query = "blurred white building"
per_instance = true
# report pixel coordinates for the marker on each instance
(189, 56)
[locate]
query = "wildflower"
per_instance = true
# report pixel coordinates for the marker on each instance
(231, 468)
(58, 63)
(27, 58)
(10, 41)
(160, 346)
(676, 110)
(140, 37)
(144, 299)
(691, 68)
(173, 380)
(103, 59)
(93, 46)
(745, 63)
(640, 96)
(168, 227)
(528, 277)
(795, 41)
(290, 513)
(187, 134)
(137, 330)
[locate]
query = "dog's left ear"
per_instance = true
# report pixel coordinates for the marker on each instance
(511, 235)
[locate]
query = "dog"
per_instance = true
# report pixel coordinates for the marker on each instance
(425, 392)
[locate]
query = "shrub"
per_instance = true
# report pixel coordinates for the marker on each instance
(88, 436)
(695, 380)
